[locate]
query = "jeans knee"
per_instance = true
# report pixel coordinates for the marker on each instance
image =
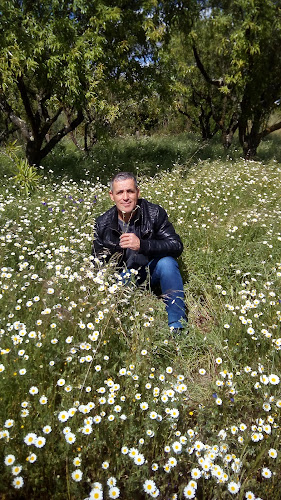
(168, 265)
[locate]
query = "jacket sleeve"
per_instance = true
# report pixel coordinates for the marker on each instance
(97, 246)
(101, 247)
(164, 241)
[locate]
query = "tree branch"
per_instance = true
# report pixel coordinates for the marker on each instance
(49, 122)
(42, 112)
(269, 130)
(16, 120)
(74, 140)
(27, 106)
(200, 66)
(63, 132)
(182, 112)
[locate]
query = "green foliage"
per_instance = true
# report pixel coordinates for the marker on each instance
(67, 59)
(26, 177)
(192, 96)
(127, 67)
(224, 74)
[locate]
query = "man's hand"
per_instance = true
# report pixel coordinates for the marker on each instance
(129, 240)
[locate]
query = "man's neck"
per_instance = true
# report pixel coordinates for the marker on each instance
(124, 217)
(127, 217)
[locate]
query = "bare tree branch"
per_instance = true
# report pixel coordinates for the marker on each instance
(268, 130)
(200, 66)
(62, 132)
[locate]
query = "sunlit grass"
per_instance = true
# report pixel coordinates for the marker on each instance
(96, 396)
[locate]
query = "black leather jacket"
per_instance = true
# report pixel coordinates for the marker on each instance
(156, 233)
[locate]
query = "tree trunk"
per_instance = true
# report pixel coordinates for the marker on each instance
(227, 138)
(250, 143)
(249, 130)
(33, 152)
(249, 151)
(249, 138)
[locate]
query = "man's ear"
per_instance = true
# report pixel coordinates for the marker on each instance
(111, 195)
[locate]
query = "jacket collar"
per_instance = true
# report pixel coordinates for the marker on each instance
(136, 216)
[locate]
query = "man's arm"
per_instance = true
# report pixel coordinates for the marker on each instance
(101, 245)
(165, 240)
(97, 246)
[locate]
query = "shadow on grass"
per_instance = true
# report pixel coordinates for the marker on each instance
(143, 156)
(147, 155)
(270, 148)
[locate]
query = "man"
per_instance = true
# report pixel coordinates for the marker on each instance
(140, 232)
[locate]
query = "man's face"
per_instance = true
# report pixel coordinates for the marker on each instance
(125, 196)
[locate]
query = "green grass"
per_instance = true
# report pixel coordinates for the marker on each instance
(53, 300)
(148, 155)
(143, 156)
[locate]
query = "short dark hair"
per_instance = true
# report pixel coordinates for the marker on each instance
(123, 176)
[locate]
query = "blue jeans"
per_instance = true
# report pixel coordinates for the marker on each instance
(165, 271)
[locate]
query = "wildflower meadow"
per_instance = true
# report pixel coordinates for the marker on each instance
(98, 400)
